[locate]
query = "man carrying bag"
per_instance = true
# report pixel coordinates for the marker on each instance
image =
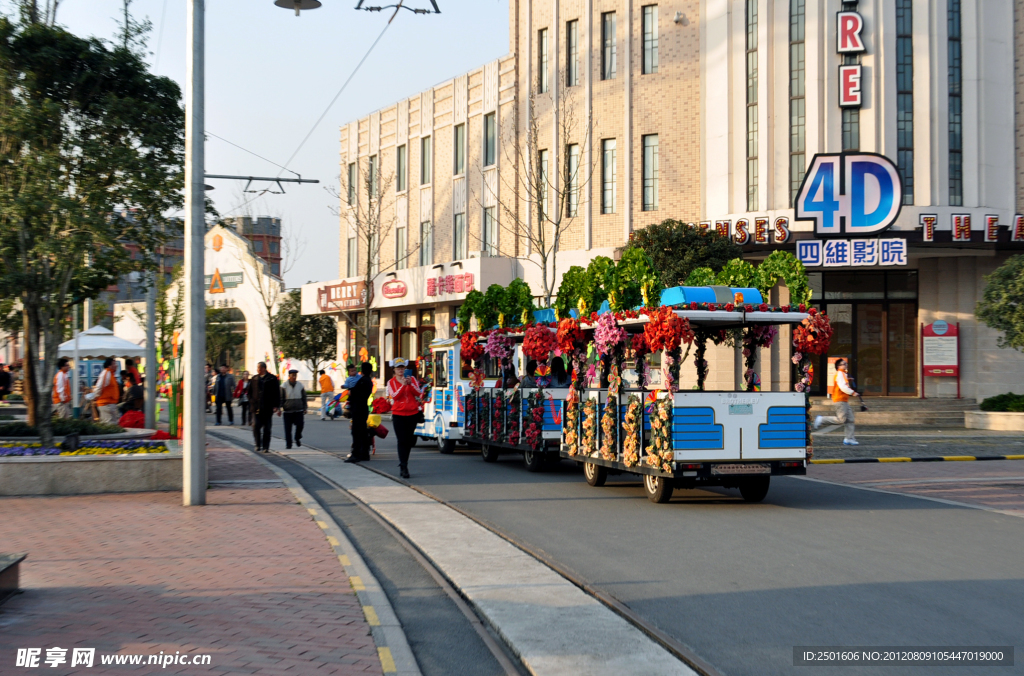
(293, 398)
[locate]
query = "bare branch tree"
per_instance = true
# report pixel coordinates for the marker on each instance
(551, 195)
(372, 219)
(268, 285)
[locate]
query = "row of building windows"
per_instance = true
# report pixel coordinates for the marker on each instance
(609, 54)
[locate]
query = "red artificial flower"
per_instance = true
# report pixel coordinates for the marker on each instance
(693, 305)
(813, 335)
(539, 343)
(785, 308)
(803, 308)
(712, 306)
(813, 311)
(665, 330)
(748, 307)
(729, 307)
(763, 307)
(639, 343)
(570, 337)
(471, 348)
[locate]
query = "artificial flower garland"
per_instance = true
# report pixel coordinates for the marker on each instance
(630, 435)
(571, 425)
(589, 414)
(534, 423)
(539, 342)
(659, 453)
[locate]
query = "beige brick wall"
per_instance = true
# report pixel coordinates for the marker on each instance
(1018, 47)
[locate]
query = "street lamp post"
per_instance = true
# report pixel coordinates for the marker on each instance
(194, 433)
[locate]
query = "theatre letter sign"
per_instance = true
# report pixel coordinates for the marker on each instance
(849, 43)
(850, 194)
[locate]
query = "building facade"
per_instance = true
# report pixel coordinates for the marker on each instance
(734, 115)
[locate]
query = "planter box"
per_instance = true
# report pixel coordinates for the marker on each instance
(83, 474)
(987, 420)
(127, 435)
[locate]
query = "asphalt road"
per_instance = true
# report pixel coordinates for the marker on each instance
(814, 565)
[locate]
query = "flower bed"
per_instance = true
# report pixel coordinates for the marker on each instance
(98, 447)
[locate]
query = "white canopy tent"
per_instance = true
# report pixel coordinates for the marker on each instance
(98, 342)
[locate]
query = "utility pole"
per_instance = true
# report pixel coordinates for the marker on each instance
(194, 433)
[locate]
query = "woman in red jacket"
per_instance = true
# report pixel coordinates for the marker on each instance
(404, 394)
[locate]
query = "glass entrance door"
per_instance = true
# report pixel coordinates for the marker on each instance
(901, 363)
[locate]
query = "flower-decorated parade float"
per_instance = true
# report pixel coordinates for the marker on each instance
(614, 403)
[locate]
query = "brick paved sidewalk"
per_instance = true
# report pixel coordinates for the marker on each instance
(995, 484)
(249, 579)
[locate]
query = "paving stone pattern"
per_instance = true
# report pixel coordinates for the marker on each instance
(879, 441)
(996, 484)
(249, 579)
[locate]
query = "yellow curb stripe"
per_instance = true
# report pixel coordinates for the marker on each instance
(312, 512)
(827, 462)
(897, 459)
(1015, 457)
(344, 560)
(371, 616)
(357, 583)
(958, 458)
(332, 541)
(322, 524)
(387, 662)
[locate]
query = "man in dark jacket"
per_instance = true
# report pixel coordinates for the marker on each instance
(358, 398)
(265, 401)
(223, 390)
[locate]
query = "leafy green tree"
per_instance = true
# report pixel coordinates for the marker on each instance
(1002, 303)
(221, 337)
(311, 338)
(676, 249)
(90, 158)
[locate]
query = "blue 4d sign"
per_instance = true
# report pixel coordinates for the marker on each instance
(850, 194)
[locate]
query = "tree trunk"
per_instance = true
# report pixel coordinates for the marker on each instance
(37, 396)
(28, 357)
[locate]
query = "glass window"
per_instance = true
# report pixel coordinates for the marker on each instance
(650, 30)
(650, 172)
(403, 319)
(459, 249)
(572, 53)
(257, 246)
(608, 58)
(490, 139)
(542, 183)
(855, 286)
(374, 178)
(441, 368)
(426, 160)
(901, 285)
(956, 111)
(400, 168)
(352, 181)
(426, 243)
(401, 249)
(426, 317)
(751, 46)
(797, 113)
(353, 258)
(572, 179)
(459, 143)
(851, 128)
(608, 176)
(542, 60)
(274, 247)
(490, 232)
(905, 96)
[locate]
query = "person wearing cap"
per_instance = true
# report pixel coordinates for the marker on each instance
(841, 393)
(294, 403)
(404, 393)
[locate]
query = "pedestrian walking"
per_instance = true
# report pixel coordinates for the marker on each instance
(133, 370)
(62, 389)
(241, 393)
(295, 404)
(264, 401)
(326, 392)
(359, 405)
(208, 377)
(223, 391)
(105, 393)
(404, 393)
(841, 393)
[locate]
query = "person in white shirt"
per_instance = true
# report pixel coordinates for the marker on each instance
(841, 393)
(62, 389)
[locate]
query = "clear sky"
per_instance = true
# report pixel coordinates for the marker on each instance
(270, 74)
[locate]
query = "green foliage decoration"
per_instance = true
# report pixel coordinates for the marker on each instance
(1002, 303)
(311, 338)
(676, 249)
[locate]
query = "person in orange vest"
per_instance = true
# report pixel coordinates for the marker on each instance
(105, 394)
(326, 392)
(62, 389)
(841, 393)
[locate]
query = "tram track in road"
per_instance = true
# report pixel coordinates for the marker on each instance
(677, 648)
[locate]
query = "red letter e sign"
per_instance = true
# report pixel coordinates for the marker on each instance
(849, 86)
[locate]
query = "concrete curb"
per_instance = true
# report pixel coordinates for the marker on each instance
(931, 458)
(396, 657)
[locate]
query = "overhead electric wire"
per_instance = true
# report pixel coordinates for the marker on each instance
(343, 86)
(254, 154)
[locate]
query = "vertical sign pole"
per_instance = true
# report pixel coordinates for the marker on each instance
(151, 367)
(958, 360)
(194, 434)
(921, 341)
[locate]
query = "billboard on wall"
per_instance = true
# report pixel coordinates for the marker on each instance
(335, 296)
(850, 194)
